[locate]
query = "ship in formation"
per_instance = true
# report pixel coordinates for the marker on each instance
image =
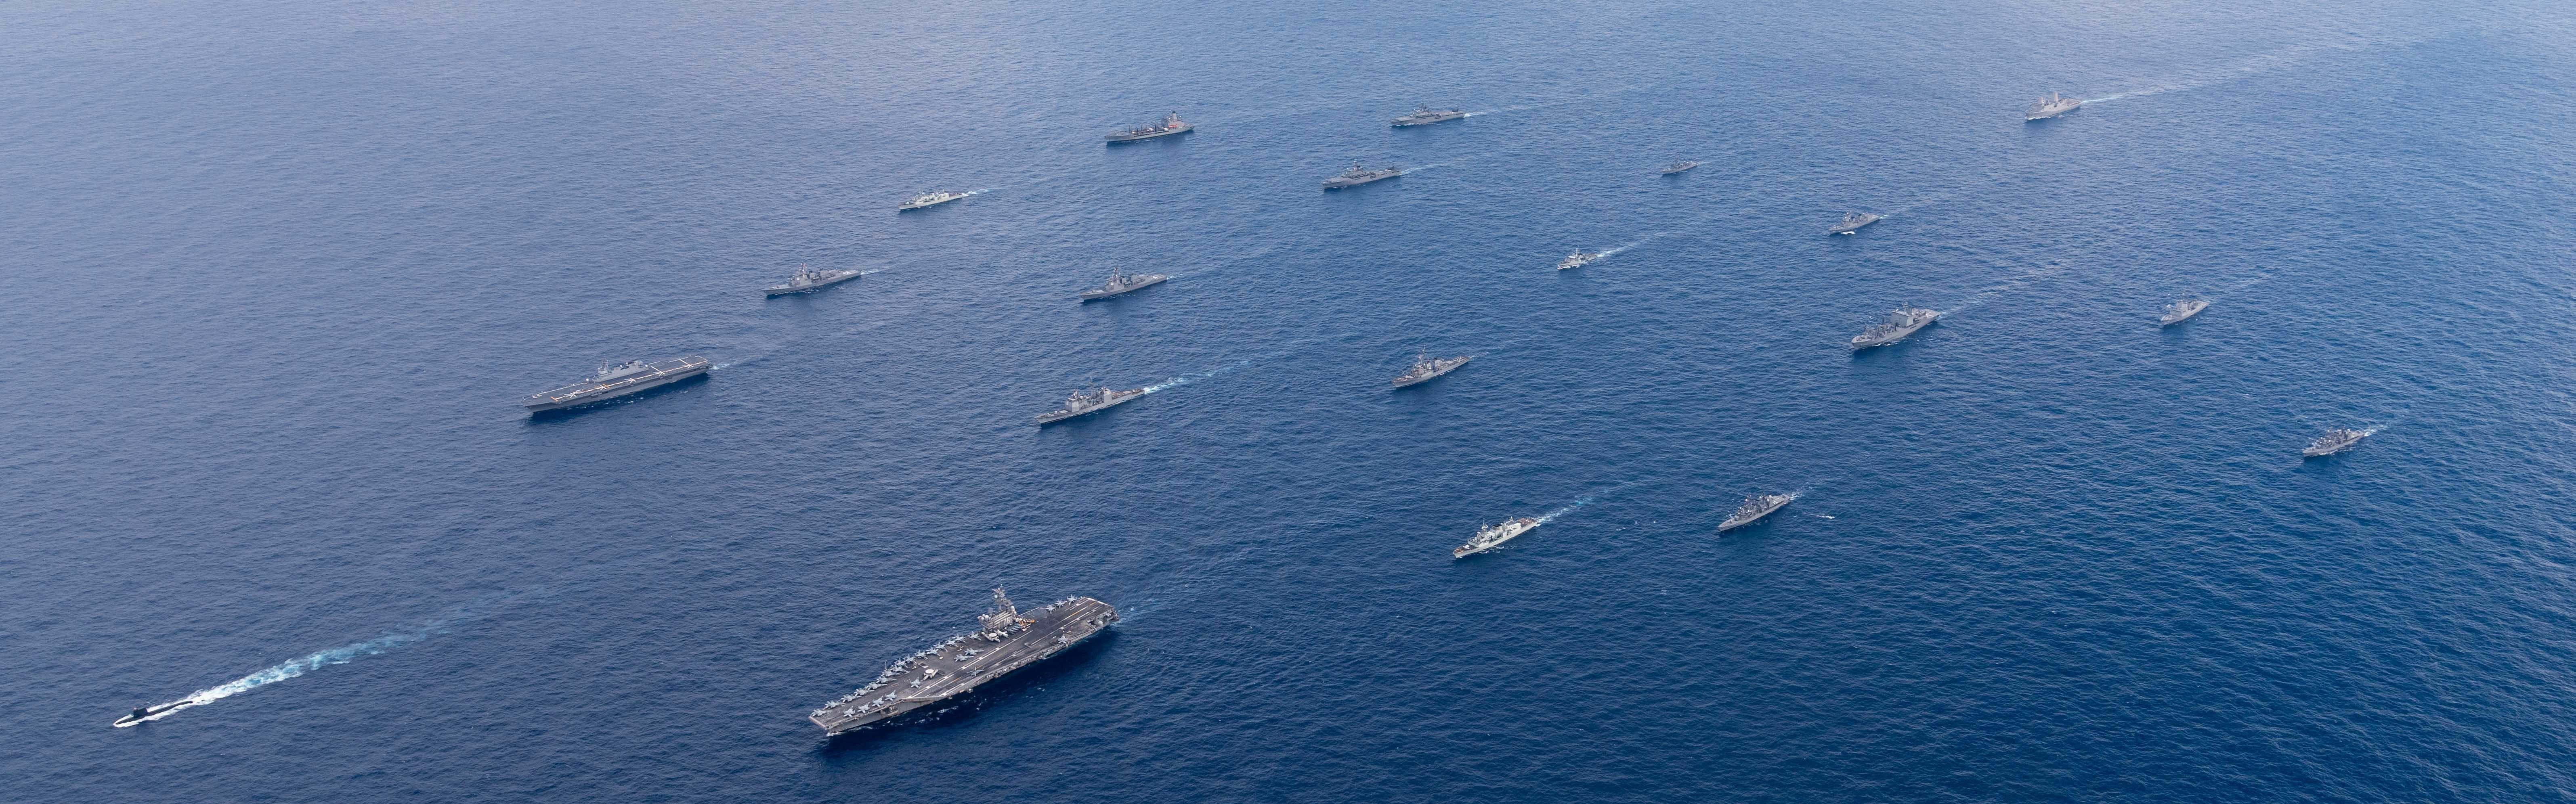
(1171, 124)
(1425, 115)
(1900, 323)
(2051, 106)
(929, 200)
(1122, 282)
(1852, 222)
(1005, 639)
(1426, 367)
(1493, 536)
(1677, 167)
(1754, 507)
(1358, 175)
(2335, 440)
(1579, 259)
(807, 279)
(614, 380)
(2177, 312)
(1089, 401)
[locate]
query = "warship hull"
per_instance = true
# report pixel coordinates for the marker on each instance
(1741, 520)
(1336, 184)
(1096, 294)
(960, 665)
(577, 395)
(1424, 120)
(1408, 382)
(1053, 416)
(785, 290)
(1842, 229)
(2185, 315)
(909, 206)
(1115, 139)
(2044, 114)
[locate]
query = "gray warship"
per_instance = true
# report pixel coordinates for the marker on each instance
(1904, 321)
(1754, 507)
(2186, 308)
(614, 380)
(929, 200)
(1088, 401)
(2335, 440)
(2051, 106)
(1677, 167)
(1357, 176)
(1852, 222)
(1425, 115)
(1492, 536)
(1005, 639)
(806, 279)
(1426, 367)
(1121, 283)
(1170, 125)
(1579, 259)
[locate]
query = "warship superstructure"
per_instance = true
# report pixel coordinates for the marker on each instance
(1900, 323)
(1579, 259)
(2177, 311)
(1852, 222)
(1170, 125)
(1088, 401)
(1005, 639)
(1426, 367)
(806, 279)
(928, 200)
(1425, 115)
(2051, 106)
(1492, 536)
(1121, 282)
(1357, 176)
(2335, 440)
(1677, 167)
(613, 380)
(1754, 507)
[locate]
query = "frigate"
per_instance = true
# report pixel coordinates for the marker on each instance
(1493, 536)
(1754, 507)
(1904, 321)
(1088, 401)
(1423, 115)
(1677, 167)
(614, 380)
(2335, 440)
(1005, 639)
(1170, 125)
(1852, 222)
(2051, 106)
(2186, 308)
(806, 279)
(1426, 367)
(1357, 176)
(1579, 259)
(928, 200)
(1120, 282)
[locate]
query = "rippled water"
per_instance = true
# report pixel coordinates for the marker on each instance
(280, 272)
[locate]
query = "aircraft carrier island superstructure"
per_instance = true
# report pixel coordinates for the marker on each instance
(1005, 639)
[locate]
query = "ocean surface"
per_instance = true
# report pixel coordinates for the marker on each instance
(278, 274)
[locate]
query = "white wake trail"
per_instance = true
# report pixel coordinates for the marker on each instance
(290, 668)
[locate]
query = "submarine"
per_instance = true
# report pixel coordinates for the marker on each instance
(143, 713)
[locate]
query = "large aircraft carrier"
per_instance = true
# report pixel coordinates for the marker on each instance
(1007, 639)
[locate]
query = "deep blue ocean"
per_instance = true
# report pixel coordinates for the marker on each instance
(277, 275)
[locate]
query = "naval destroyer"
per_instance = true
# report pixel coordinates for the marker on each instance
(2335, 440)
(1852, 222)
(1904, 321)
(806, 279)
(1357, 176)
(1579, 259)
(618, 379)
(1677, 167)
(1170, 125)
(1120, 283)
(929, 200)
(1492, 536)
(1425, 115)
(1426, 367)
(2051, 106)
(1088, 401)
(1005, 639)
(1754, 507)
(2186, 308)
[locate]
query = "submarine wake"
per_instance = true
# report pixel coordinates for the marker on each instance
(282, 671)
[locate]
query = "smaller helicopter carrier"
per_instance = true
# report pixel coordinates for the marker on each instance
(1170, 125)
(1754, 507)
(807, 279)
(1087, 402)
(1852, 223)
(2051, 106)
(1120, 282)
(1425, 115)
(614, 380)
(1005, 639)
(1357, 176)
(1426, 367)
